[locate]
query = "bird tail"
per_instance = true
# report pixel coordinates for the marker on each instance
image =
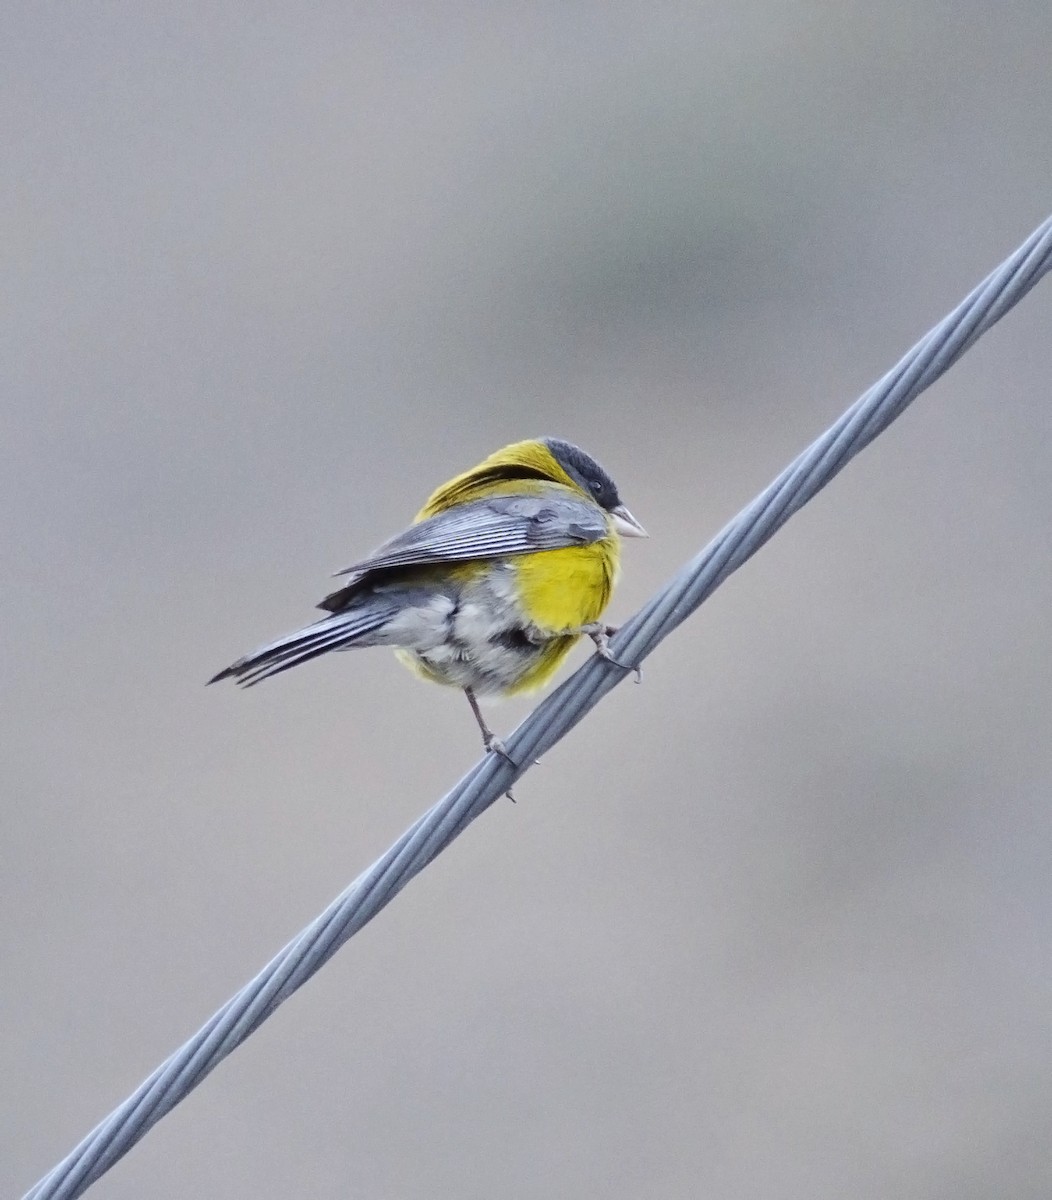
(338, 632)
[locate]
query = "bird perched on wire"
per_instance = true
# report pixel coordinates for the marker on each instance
(501, 572)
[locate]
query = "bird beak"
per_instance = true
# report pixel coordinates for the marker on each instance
(625, 524)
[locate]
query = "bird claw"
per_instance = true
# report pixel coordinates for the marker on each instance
(601, 635)
(494, 745)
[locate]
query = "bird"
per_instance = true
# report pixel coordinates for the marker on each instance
(501, 572)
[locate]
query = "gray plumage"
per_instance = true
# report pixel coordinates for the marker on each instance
(490, 528)
(469, 633)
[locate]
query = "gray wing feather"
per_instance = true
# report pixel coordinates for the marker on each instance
(489, 528)
(330, 633)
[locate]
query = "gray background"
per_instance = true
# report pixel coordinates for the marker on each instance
(775, 923)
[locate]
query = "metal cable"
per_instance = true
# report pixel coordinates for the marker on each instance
(550, 721)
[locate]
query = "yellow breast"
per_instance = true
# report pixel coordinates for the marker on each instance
(561, 590)
(567, 588)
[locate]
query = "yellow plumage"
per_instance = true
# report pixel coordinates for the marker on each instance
(565, 589)
(559, 590)
(501, 572)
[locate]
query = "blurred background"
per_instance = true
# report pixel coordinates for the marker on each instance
(775, 923)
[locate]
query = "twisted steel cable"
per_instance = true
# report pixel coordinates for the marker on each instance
(550, 721)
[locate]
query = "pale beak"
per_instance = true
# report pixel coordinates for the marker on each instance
(625, 524)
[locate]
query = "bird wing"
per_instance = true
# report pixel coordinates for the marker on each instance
(489, 528)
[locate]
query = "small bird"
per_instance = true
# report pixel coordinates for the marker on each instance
(501, 572)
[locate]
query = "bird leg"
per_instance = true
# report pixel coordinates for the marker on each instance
(601, 635)
(489, 738)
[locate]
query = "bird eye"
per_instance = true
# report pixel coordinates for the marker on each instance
(596, 486)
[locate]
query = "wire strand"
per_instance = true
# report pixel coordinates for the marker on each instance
(489, 779)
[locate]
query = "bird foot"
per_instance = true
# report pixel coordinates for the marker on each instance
(494, 745)
(601, 635)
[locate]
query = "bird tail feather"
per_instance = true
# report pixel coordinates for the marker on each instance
(338, 632)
